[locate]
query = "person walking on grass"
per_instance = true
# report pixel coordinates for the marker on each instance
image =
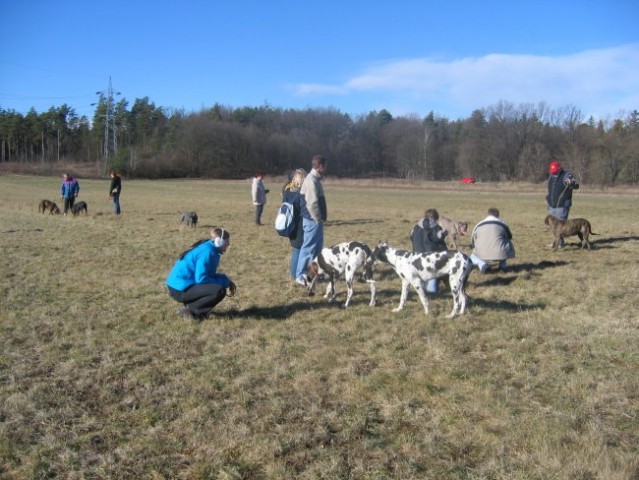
(69, 191)
(314, 215)
(114, 191)
(194, 281)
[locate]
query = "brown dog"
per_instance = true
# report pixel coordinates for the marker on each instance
(567, 228)
(454, 228)
(48, 206)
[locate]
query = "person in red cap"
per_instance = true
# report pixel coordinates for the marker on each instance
(561, 183)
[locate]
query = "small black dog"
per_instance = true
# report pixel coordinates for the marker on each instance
(78, 208)
(190, 218)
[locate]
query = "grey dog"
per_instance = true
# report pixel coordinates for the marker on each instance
(190, 218)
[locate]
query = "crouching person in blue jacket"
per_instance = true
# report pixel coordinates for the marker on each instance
(194, 281)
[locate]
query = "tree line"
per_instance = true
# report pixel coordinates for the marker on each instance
(503, 142)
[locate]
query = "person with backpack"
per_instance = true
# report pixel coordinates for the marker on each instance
(291, 196)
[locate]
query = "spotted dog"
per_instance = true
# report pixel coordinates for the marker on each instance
(567, 228)
(417, 268)
(345, 258)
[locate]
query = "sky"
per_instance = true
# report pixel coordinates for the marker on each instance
(408, 57)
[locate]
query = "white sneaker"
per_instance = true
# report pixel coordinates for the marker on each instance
(301, 280)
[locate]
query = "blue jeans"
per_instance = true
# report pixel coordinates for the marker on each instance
(479, 263)
(313, 243)
(559, 212)
(295, 255)
(116, 203)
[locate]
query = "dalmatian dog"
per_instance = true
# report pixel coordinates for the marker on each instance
(417, 268)
(345, 258)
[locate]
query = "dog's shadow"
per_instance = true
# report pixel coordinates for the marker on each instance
(605, 241)
(504, 305)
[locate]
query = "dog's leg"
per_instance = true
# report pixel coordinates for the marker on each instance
(331, 292)
(404, 295)
(419, 287)
(373, 292)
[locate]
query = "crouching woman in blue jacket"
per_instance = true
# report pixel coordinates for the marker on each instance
(194, 281)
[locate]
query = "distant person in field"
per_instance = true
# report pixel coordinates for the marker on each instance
(427, 236)
(492, 241)
(258, 192)
(194, 281)
(114, 191)
(69, 191)
(291, 194)
(314, 215)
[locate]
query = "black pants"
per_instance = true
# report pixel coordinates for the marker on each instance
(200, 298)
(68, 203)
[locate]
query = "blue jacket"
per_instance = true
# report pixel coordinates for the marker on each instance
(70, 188)
(197, 266)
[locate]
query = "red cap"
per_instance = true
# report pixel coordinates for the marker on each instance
(553, 167)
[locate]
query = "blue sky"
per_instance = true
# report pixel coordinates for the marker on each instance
(409, 57)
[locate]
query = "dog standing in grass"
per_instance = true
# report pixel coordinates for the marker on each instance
(79, 208)
(418, 268)
(189, 218)
(48, 206)
(567, 228)
(345, 258)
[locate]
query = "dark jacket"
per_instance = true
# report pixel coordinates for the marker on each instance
(427, 237)
(116, 186)
(560, 189)
(295, 198)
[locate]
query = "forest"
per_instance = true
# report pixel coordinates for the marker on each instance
(503, 142)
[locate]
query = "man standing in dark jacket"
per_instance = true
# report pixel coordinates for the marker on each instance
(561, 183)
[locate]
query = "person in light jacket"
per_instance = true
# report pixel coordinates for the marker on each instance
(258, 193)
(314, 214)
(492, 241)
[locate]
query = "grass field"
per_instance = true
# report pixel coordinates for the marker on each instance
(99, 378)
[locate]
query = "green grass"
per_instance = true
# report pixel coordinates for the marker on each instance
(99, 378)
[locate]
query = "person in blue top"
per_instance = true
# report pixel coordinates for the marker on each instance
(291, 194)
(194, 281)
(69, 190)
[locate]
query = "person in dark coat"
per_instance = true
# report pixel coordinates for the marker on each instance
(428, 237)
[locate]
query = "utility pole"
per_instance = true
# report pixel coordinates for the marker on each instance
(110, 136)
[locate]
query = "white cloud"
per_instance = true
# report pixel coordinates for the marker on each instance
(599, 82)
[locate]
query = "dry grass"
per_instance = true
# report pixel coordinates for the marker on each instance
(100, 379)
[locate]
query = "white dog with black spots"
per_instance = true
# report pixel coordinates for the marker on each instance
(417, 268)
(345, 258)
